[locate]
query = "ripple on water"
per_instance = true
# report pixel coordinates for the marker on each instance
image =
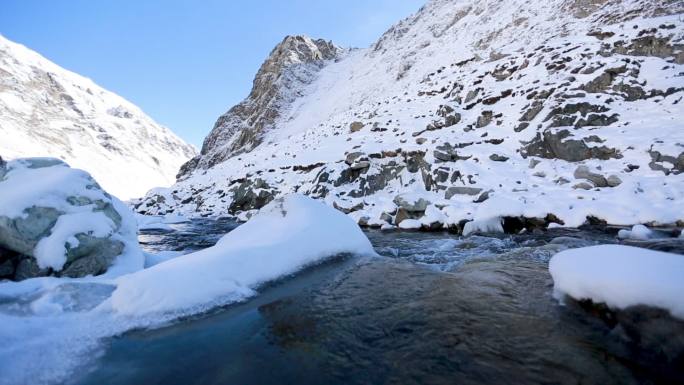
(434, 308)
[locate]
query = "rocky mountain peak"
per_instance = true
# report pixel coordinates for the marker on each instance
(291, 65)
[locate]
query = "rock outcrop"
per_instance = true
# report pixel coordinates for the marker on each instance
(292, 64)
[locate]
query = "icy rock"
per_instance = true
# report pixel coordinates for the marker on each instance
(59, 220)
(410, 224)
(638, 232)
(620, 276)
(484, 226)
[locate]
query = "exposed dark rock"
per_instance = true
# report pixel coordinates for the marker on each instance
(651, 46)
(250, 195)
(521, 126)
(603, 81)
(187, 168)
(601, 35)
(657, 160)
(597, 120)
(484, 119)
(532, 112)
(498, 158)
(447, 153)
(558, 145)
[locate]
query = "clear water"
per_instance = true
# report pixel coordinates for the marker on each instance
(434, 309)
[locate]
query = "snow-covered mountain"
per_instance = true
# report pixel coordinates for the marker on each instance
(483, 111)
(46, 110)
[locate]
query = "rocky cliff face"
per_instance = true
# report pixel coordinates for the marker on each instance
(291, 65)
(46, 110)
(564, 111)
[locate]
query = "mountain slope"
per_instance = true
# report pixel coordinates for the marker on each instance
(46, 110)
(565, 111)
(291, 65)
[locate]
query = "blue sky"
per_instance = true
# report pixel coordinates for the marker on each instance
(185, 62)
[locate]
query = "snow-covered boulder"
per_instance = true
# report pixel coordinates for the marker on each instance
(286, 235)
(638, 232)
(620, 276)
(58, 221)
(484, 226)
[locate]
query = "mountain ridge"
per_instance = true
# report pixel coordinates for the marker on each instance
(47, 110)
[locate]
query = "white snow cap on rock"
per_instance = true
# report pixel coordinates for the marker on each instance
(285, 236)
(638, 232)
(491, 225)
(51, 184)
(621, 276)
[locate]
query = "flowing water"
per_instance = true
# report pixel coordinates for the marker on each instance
(434, 308)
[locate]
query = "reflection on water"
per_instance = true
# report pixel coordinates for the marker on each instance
(435, 308)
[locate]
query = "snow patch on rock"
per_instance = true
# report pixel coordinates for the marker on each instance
(620, 276)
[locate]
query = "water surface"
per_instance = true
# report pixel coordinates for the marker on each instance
(434, 308)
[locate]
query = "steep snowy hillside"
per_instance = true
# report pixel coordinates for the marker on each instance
(46, 110)
(513, 113)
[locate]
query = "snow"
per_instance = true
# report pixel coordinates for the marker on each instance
(152, 222)
(48, 111)
(638, 232)
(489, 225)
(620, 276)
(410, 224)
(24, 187)
(301, 231)
(162, 256)
(175, 219)
(27, 183)
(51, 251)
